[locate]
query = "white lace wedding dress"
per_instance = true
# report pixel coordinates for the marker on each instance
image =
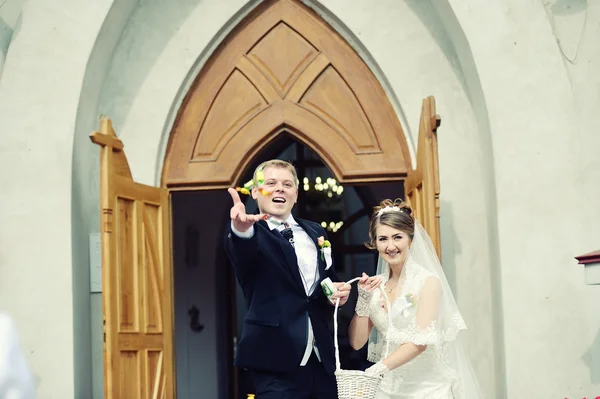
(430, 375)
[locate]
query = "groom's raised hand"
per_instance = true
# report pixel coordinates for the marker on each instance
(239, 218)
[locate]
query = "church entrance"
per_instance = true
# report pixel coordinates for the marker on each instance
(282, 84)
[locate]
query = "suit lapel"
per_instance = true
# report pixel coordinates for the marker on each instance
(289, 256)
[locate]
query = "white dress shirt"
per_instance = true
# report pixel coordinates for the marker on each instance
(306, 253)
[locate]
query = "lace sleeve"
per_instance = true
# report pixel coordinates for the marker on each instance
(425, 327)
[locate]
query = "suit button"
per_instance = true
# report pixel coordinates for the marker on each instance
(306, 301)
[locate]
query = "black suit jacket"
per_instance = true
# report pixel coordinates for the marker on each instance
(275, 331)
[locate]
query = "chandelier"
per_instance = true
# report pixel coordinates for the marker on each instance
(329, 188)
(324, 191)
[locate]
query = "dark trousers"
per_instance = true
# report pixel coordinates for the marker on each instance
(307, 382)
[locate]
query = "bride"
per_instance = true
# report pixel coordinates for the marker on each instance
(425, 359)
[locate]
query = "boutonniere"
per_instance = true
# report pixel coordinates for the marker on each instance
(325, 246)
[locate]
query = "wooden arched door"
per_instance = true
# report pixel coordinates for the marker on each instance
(422, 186)
(137, 297)
(284, 68)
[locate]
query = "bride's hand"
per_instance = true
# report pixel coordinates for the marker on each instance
(369, 283)
(377, 369)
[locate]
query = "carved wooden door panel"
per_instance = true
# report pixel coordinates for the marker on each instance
(285, 69)
(136, 279)
(422, 186)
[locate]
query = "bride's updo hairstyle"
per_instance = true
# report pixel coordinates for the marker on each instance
(396, 214)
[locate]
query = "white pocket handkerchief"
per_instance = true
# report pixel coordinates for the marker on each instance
(327, 256)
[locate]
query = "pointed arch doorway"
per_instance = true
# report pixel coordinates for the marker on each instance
(282, 74)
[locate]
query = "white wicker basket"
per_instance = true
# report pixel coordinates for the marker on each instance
(353, 384)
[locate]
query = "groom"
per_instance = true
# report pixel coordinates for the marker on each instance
(279, 266)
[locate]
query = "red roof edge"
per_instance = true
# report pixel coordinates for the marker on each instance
(592, 257)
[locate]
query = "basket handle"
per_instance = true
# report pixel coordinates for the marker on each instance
(335, 325)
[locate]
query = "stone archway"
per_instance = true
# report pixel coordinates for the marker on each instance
(283, 67)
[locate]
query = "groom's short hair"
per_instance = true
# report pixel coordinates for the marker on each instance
(276, 163)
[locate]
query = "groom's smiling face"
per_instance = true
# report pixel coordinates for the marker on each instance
(284, 192)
